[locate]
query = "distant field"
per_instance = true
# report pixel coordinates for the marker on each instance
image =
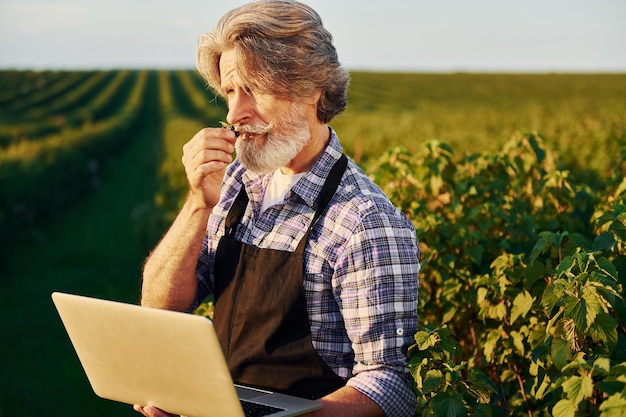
(582, 117)
(90, 178)
(58, 128)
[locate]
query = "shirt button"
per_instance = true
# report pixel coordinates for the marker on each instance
(400, 332)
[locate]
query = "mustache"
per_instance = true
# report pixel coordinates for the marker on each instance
(252, 129)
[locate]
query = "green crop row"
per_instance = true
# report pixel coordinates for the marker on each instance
(79, 96)
(19, 85)
(194, 99)
(76, 108)
(39, 178)
(184, 111)
(41, 98)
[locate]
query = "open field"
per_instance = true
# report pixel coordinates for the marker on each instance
(58, 128)
(90, 178)
(582, 117)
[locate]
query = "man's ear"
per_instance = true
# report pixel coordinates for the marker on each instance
(313, 99)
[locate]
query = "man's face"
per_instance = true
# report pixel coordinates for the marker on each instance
(272, 131)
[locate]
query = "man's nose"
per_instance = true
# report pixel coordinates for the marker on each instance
(240, 106)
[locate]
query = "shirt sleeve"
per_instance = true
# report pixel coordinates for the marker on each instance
(377, 284)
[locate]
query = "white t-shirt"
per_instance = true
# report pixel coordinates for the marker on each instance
(278, 187)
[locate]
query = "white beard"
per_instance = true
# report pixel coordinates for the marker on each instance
(265, 148)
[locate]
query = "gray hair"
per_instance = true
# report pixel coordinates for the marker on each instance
(282, 49)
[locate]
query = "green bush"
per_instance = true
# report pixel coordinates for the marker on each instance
(521, 305)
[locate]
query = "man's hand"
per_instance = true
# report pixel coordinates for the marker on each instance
(347, 402)
(151, 411)
(205, 158)
(169, 273)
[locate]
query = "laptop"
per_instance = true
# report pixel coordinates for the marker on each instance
(170, 360)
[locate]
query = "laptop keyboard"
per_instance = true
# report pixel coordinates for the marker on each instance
(251, 409)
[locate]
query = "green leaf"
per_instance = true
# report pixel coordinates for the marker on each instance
(449, 313)
(518, 342)
(436, 183)
(604, 329)
(542, 384)
(481, 294)
(565, 267)
(566, 329)
(490, 344)
(619, 228)
(533, 273)
(540, 152)
(560, 352)
(604, 242)
(433, 380)
(446, 405)
(619, 372)
(622, 186)
(521, 305)
(425, 340)
(607, 267)
(593, 303)
(576, 365)
(545, 242)
(619, 352)
(577, 310)
(449, 345)
(614, 406)
(480, 385)
(578, 388)
(497, 312)
(553, 294)
(537, 337)
(416, 370)
(451, 287)
(553, 323)
(601, 366)
(564, 408)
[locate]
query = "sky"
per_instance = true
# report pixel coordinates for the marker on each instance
(385, 35)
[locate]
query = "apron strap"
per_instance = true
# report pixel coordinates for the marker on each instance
(235, 214)
(328, 191)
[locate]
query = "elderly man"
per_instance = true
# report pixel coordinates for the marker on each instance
(313, 270)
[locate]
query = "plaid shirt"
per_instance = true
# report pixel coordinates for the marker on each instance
(361, 269)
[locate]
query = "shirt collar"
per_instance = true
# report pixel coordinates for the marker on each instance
(310, 186)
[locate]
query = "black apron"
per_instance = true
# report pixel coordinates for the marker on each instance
(261, 313)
